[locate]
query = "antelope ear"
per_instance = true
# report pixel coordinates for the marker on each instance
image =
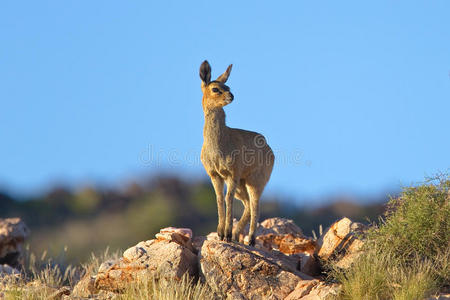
(205, 73)
(224, 77)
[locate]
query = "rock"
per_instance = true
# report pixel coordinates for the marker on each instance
(12, 235)
(314, 290)
(242, 272)
(341, 243)
(302, 289)
(168, 257)
(212, 236)
(85, 287)
(280, 235)
(176, 237)
(283, 235)
(279, 226)
(323, 291)
(187, 232)
(290, 244)
(276, 226)
(7, 270)
(310, 264)
(198, 241)
(287, 243)
(63, 291)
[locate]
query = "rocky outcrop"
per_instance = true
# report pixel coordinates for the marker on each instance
(13, 232)
(278, 267)
(280, 234)
(170, 256)
(341, 242)
(243, 272)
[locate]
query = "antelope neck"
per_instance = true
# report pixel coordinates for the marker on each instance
(215, 129)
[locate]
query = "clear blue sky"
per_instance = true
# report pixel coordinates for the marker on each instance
(353, 96)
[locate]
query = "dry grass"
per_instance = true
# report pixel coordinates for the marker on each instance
(152, 289)
(42, 278)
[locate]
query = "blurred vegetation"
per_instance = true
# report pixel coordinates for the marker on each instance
(90, 219)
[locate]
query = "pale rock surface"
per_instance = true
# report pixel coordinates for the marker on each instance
(242, 272)
(314, 290)
(280, 234)
(85, 287)
(275, 226)
(323, 291)
(187, 232)
(169, 256)
(286, 243)
(340, 242)
(13, 233)
(302, 289)
(279, 226)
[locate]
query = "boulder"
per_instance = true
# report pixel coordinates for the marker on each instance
(341, 242)
(314, 290)
(286, 243)
(279, 234)
(302, 289)
(13, 232)
(275, 226)
(242, 272)
(85, 287)
(8, 270)
(168, 257)
(279, 226)
(187, 232)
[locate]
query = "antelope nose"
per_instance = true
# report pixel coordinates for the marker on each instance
(231, 97)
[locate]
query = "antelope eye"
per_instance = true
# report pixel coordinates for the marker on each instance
(215, 90)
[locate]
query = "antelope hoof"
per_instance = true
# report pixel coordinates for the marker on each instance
(220, 233)
(251, 241)
(228, 237)
(236, 238)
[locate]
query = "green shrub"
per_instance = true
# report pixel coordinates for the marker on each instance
(405, 256)
(418, 222)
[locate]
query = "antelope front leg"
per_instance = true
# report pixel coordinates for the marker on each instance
(217, 182)
(231, 188)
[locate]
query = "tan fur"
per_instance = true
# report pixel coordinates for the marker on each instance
(240, 158)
